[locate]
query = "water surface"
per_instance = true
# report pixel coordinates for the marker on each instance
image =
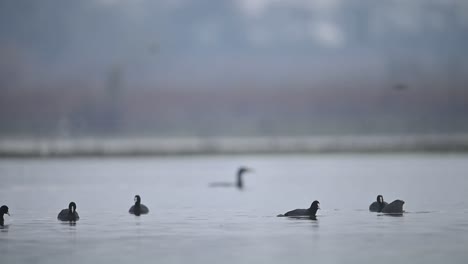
(191, 222)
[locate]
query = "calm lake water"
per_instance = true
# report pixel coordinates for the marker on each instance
(191, 222)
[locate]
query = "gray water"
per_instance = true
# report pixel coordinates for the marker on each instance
(191, 222)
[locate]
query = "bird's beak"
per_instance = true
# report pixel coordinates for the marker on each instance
(318, 206)
(8, 213)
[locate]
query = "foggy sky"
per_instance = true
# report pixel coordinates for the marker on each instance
(353, 62)
(176, 42)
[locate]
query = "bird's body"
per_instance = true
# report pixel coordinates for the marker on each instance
(310, 212)
(298, 212)
(239, 180)
(378, 205)
(138, 208)
(69, 214)
(3, 210)
(395, 207)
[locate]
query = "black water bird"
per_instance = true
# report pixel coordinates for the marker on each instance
(395, 207)
(378, 205)
(138, 208)
(310, 212)
(3, 210)
(239, 179)
(69, 214)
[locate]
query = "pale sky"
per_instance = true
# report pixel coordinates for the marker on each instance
(177, 41)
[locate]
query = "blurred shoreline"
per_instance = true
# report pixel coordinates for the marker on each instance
(82, 147)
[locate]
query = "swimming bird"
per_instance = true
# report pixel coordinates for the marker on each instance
(69, 214)
(311, 212)
(239, 179)
(3, 210)
(378, 205)
(138, 208)
(395, 207)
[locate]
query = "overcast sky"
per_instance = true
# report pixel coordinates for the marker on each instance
(204, 66)
(177, 42)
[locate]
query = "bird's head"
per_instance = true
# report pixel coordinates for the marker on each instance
(315, 205)
(380, 199)
(137, 199)
(4, 210)
(72, 207)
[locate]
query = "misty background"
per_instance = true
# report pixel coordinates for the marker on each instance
(179, 68)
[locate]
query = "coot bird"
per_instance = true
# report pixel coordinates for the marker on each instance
(395, 207)
(3, 210)
(378, 205)
(311, 212)
(239, 179)
(69, 214)
(138, 208)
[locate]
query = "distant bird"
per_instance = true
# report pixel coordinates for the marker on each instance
(138, 208)
(310, 212)
(3, 210)
(69, 214)
(378, 205)
(395, 207)
(239, 180)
